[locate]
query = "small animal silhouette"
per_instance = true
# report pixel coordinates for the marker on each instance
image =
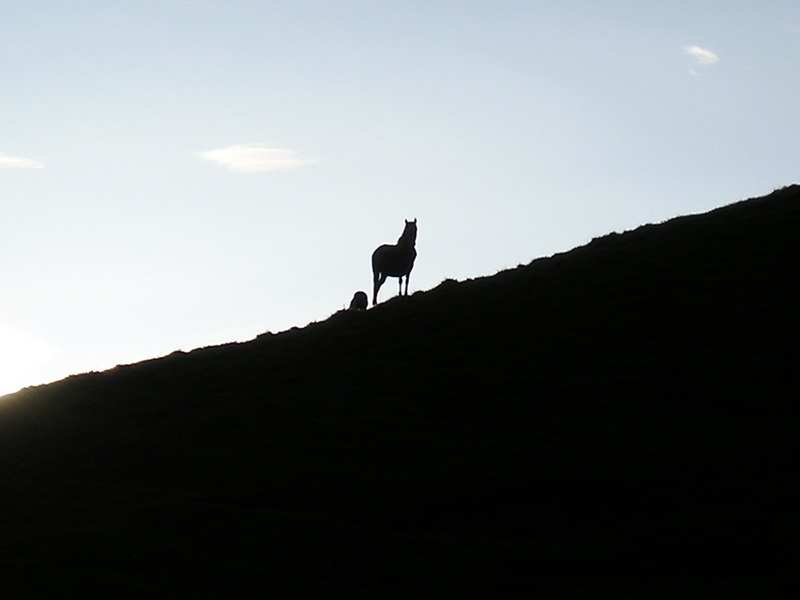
(394, 260)
(359, 301)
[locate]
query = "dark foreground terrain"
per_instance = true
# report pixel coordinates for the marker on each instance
(618, 421)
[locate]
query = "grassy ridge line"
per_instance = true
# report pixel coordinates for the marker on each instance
(610, 412)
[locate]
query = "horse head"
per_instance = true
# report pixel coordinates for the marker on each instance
(409, 236)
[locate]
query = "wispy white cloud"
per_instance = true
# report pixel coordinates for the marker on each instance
(700, 56)
(19, 163)
(255, 158)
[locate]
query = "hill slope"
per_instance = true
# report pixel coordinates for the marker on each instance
(615, 421)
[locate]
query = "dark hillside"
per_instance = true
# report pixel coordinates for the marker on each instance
(617, 421)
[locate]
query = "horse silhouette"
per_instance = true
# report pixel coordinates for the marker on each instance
(395, 260)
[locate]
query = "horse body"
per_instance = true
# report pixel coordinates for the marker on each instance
(395, 260)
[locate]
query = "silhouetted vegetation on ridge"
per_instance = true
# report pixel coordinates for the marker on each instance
(616, 421)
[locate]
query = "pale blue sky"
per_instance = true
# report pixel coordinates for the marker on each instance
(176, 174)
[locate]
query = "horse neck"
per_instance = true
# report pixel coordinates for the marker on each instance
(407, 240)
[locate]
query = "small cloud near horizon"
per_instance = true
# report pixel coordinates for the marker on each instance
(700, 56)
(255, 158)
(16, 162)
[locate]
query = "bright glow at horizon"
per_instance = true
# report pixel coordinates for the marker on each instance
(21, 355)
(181, 174)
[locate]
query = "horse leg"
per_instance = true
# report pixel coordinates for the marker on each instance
(408, 276)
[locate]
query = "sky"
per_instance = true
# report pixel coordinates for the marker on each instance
(182, 173)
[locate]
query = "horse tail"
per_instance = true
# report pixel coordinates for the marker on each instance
(377, 278)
